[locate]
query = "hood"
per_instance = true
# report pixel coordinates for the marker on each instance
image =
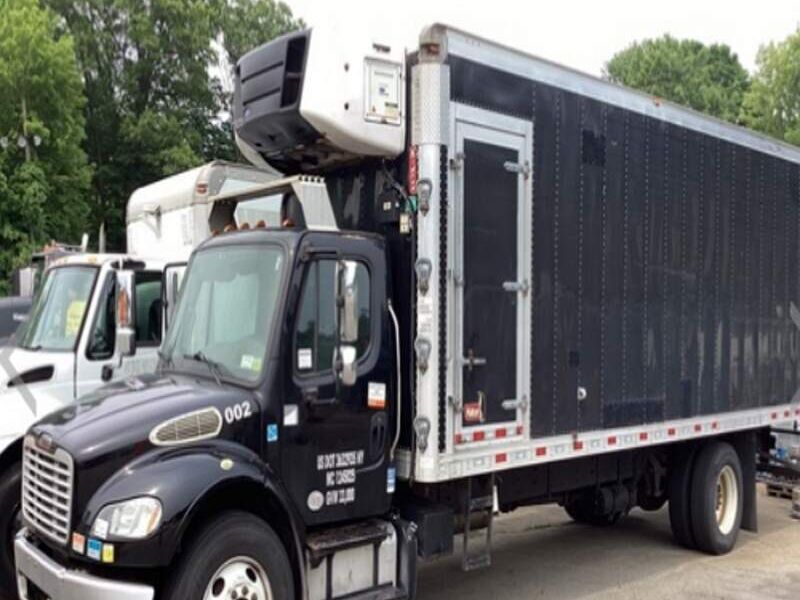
(34, 367)
(110, 427)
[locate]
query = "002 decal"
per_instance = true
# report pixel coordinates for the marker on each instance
(237, 412)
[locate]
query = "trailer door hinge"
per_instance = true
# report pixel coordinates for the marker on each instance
(457, 161)
(523, 169)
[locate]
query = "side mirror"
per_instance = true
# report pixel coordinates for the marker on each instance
(345, 357)
(347, 301)
(126, 329)
(344, 364)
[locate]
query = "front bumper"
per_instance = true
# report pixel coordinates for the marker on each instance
(59, 583)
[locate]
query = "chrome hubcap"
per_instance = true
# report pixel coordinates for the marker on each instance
(727, 504)
(240, 578)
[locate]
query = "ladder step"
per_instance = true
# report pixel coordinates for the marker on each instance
(480, 504)
(484, 504)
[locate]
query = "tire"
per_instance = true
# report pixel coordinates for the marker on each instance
(717, 498)
(680, 486)
(10, 523)
(235, 539)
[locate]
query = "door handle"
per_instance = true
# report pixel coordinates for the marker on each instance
(515, 403)
(312, 399)
(107, 372)
(516, 286)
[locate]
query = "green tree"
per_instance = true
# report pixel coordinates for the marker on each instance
(150, 100)
(157, 99)
(247, 24)
(44, 175)
(709, 79)
(772, 104)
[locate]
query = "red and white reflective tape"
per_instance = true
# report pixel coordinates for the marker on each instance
(483, 449)
(471, 436)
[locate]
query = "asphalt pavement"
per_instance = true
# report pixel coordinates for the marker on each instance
(540, 553)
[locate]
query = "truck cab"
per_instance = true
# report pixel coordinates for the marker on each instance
(72, 341)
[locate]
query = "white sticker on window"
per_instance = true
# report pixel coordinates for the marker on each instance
(304, 359)
(250, 362)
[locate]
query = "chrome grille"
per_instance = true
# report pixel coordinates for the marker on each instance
(47, 479)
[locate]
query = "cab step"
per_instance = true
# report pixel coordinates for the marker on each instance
(370, 560)
(330, 541)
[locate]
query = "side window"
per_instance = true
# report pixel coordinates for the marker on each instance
(148, 303)
(103, 332)
(315, 335)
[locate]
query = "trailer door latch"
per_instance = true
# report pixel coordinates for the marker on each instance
(516, 403)
(516, 286)
(523, 169)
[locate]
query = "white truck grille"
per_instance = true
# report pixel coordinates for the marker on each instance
(47, 479)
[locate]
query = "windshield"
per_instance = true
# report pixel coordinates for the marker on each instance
(57, 315)
(225, 313)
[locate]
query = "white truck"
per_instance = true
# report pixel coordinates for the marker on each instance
(69, 346)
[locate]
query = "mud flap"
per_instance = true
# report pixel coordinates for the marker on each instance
(747, 447)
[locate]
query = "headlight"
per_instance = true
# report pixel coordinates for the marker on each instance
(133, 519)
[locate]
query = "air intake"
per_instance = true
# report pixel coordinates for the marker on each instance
(191, 427)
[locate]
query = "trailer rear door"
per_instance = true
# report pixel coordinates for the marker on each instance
(492, 283)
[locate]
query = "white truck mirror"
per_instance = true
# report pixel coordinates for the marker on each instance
(344, 364)
(347, 301)
(126, 328)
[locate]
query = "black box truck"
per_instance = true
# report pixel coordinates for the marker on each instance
(493, 282)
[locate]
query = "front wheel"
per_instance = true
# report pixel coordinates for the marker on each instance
(10, 523)
(235, 556)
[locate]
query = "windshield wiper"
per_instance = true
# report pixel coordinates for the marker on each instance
(213, 366)
(165, 359)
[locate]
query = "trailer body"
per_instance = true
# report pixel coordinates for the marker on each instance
(495, 282)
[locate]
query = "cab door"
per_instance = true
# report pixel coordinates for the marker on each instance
(334, 436)
(98, 361)
(492, 216)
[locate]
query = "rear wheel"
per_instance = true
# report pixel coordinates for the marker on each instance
(10, 524)
(235, 556)
(717, 498)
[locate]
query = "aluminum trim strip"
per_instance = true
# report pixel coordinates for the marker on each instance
(493, 455)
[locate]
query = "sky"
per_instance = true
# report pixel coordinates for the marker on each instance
(583, 35)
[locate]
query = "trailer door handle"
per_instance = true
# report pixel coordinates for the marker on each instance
(515, 403)
(516, 286)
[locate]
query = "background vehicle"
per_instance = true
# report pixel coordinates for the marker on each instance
(516, 284)
(70, 347)
(24, 282)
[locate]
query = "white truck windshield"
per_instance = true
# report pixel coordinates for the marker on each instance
(226, 311)
(58, 313)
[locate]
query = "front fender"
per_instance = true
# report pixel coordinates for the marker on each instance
(182, 479)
